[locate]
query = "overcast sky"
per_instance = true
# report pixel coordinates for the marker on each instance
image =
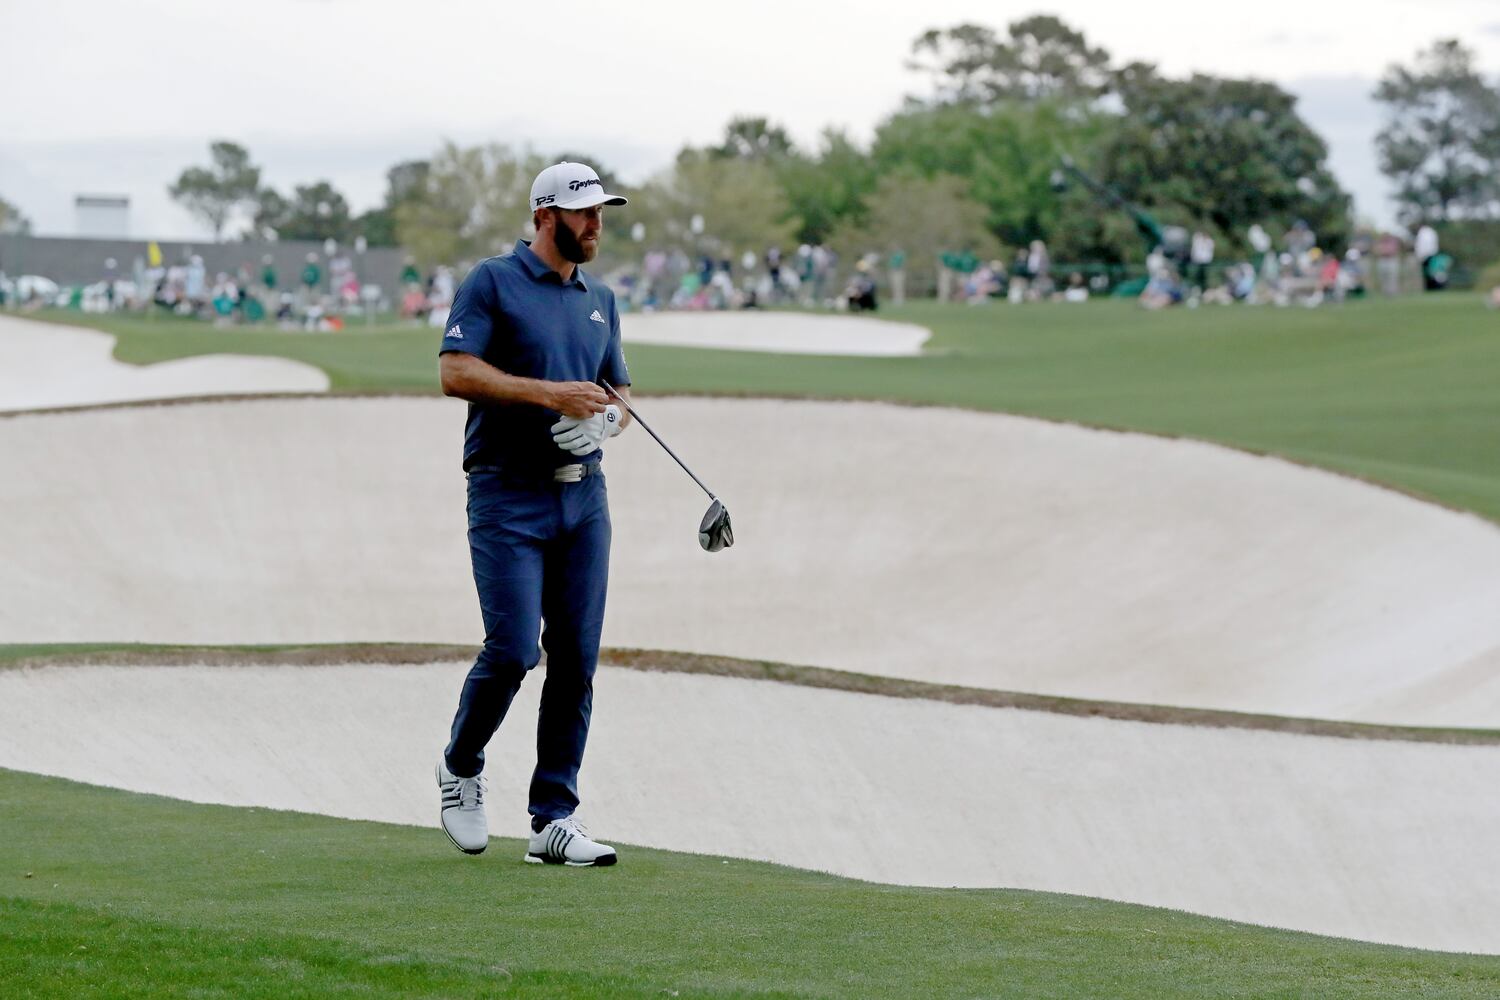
(118, 96)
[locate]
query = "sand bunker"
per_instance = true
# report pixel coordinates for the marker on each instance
(1043, 558)
(46, 365)
(1389, 842)
(777, 332)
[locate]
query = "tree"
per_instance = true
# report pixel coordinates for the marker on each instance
(1005, 154)
(315, 212)
(1219, 154)
(12, 222)
(406, 180)
(271, 209)
(923, 216)
(470, 203)
(754, 139)
(403, 181)
(1041, 57)
(740, 203)
(828, 189)
(215, 192)
(1441, 142)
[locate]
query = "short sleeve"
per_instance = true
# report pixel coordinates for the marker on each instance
(471, 320)
(613, 369)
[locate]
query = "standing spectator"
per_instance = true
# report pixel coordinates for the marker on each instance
(409, 273)
(805, 269)
(1352, 274)
(440, 297)
(342, 282)
(312, 278)
(1327, 270)
(1201, 255)
(897, 265)
(945, 276)
(655, 267)
(773, 268)
(413, 302)
(822, 266)
(195, 283)
(226, 296)
(1426, 248)
(1388, 263)
(1300, 239)
(1260, 242)
(1039, 267)
(1019, 279)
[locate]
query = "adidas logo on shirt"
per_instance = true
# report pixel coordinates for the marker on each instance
(596, 317)
(455, 332)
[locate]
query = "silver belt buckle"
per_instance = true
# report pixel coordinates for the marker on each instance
(567, 474)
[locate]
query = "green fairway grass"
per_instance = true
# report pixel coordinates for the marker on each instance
(110, 894)
(1404, 392)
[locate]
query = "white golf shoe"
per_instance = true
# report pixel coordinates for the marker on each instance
(463, 810)
(564, 842)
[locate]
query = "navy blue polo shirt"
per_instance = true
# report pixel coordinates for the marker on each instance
(519, 315)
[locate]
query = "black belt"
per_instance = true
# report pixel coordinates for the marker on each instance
(562, 474)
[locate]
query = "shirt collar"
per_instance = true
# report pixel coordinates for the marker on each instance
(539, 270)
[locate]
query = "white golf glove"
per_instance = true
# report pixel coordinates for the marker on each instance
(583, 437)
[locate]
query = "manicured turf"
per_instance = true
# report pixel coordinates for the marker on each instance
(108, 894)
(1400, 391)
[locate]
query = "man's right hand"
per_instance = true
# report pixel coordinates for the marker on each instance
(579, 400)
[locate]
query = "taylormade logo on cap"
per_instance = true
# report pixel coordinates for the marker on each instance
(570, 185)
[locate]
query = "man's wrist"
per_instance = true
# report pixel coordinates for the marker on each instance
(541, 394)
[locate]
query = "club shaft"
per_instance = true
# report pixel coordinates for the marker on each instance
(637, 418)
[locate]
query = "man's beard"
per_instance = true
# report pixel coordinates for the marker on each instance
(570, 246)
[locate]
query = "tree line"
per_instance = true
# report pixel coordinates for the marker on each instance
(969, 163)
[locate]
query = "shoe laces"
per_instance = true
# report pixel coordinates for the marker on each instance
(572, 826)
(471, 792)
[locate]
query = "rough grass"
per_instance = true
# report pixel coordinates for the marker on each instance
(109, 894)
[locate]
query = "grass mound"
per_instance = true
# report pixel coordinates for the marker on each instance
(110, 894)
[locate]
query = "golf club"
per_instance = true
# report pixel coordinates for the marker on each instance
(714, 531)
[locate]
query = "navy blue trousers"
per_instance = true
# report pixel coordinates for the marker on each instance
(541, 555)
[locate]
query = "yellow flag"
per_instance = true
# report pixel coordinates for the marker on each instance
(153, 254)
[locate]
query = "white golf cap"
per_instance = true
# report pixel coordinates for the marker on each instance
(570, 185)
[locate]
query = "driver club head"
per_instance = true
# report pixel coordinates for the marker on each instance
(715, 531)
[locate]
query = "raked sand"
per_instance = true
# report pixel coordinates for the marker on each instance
(47, 365)
(1387, 842)
(776, 332)
(1034, 557)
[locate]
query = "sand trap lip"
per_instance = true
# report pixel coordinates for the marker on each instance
(45, 365)
(1386, 842)
(1069, 561)
(776, 332)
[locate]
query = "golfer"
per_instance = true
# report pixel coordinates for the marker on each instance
(528, 340)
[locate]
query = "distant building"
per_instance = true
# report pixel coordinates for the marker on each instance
(103, 216)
